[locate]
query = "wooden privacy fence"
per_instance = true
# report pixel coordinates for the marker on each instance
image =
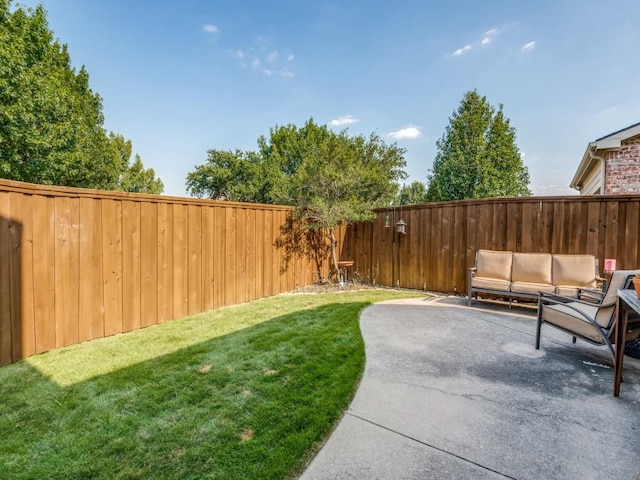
(80, 264)
(442, 238)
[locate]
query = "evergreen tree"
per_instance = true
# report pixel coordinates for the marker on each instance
(504, 174)
(477, 156)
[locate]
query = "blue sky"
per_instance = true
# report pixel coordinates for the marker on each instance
(181, 77)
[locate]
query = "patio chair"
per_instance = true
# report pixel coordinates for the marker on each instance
(589, 317)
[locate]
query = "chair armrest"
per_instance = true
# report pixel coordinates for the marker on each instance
(545, 297)
(472, 272)
(603, 282)
(570, 303)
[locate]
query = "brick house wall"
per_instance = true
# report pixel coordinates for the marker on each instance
(622, 170)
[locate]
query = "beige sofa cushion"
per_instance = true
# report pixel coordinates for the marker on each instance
(534, 288)
(567, 291)
(563, 316)
(531, 268)
(492, 264)
(490, 283)
(574, 271)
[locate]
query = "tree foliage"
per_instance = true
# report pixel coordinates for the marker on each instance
(412, 194)
(331, 178)
(226, 175)
(51, 122)
(477, 156)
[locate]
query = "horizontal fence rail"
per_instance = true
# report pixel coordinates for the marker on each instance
(442, 238)
(79, 264)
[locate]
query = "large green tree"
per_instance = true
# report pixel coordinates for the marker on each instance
(51, 122)
(343, 178)
(477, 156)
(504, 173)
(134, 178)
(412, 194)
(230, 175)
(330, 178)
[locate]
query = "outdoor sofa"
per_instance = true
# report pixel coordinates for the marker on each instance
(525, 275)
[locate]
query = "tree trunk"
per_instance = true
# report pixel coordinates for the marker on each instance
(333, 252)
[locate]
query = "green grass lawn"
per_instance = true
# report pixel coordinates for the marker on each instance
(243, 392)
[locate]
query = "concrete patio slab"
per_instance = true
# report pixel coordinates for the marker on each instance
(451, 391)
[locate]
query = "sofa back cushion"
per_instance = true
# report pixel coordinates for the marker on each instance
(492, 264)
(575, 270)
(531, 268)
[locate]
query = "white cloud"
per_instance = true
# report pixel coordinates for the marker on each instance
(407, 132)
(208, 28)
(265, 57)
(488, 36)
(344, 120)
(282, 72)
(462, 51)
(528, 47)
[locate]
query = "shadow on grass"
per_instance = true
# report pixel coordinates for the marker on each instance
(11, 340)
(250, 404)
